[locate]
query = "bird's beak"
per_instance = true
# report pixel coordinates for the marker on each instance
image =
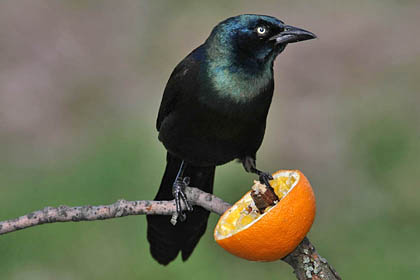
(292, 34)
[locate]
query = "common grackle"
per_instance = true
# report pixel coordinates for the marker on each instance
(214, 110)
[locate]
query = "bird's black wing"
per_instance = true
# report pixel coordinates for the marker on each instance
(179, 86)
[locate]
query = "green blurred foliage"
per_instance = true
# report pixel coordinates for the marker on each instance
(80, 86)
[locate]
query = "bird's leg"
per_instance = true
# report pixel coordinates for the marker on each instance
(250, 166)
(178, 189)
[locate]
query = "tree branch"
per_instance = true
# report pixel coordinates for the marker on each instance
(306, 262)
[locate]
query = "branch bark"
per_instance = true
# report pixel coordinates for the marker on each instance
(306, 262)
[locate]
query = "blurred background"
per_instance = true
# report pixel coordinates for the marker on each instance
(80, 86)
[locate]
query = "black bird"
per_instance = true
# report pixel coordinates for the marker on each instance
(214, 110)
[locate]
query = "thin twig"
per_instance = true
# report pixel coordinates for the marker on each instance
(306, 262)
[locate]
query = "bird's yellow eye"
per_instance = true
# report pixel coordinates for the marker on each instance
(261, 30)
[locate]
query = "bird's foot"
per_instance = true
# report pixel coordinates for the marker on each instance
(265, 178)
(178, 191)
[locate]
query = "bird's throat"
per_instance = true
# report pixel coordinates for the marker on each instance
(236, 83)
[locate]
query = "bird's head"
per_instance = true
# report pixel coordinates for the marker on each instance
(254, 38)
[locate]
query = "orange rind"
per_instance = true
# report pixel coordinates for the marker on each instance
(243, 231)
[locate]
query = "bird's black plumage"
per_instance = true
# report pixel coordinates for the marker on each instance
(214, 110)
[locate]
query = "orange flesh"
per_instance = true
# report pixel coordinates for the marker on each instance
(245, 212)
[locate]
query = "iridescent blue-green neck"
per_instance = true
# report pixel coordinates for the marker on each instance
(239, 81)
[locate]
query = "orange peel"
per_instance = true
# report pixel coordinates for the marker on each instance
(248, 234)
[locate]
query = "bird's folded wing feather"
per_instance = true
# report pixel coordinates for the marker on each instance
(179, 86)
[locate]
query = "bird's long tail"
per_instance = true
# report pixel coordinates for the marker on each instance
(166, 240)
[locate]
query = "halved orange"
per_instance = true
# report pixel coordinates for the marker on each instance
(270, 236)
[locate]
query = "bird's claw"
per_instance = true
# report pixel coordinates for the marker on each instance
(265, 178)
(182, 217)
(178, 192)
(186, 181)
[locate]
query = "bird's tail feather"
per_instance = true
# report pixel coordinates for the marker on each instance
(166, 240)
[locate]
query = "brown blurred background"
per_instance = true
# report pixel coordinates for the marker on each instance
(80, 86)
